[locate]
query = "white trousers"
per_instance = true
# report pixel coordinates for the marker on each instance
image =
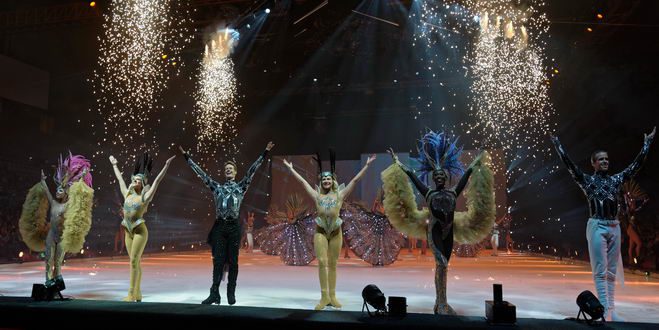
(494, 240)
(604, 248)
(250, 241)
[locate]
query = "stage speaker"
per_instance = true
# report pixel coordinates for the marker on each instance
(500, 311)
(38, 292)
(397, 306)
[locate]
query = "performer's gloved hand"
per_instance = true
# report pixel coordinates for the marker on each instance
(269, 146)
(648, 137)
(43, 176)
(393, 155)
(185, 154)
(288, 164)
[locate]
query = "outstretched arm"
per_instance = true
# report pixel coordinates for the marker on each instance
(45, 187)
(120, 179)
(420, 186)
(208, 181)
(255, 166)
(152, 191)
(463, 181)
(307, 187)
(576, 173)
(633, 168)
(351, 185)
(465, 177)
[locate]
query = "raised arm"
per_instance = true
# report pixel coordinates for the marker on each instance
(255, 166)
(351, 185)
(576, 173)
(152, 191)
(463, 181)
(307, 187)
(45, 187)
(633, 168)
(208, 181)
(420, 186)
(465, 177)
(120, 179)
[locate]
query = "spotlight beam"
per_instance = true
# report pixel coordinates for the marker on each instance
(299, 33)
(376, 18)
(439, 27)
(323, 4)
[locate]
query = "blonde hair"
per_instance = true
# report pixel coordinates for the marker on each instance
(335, 184)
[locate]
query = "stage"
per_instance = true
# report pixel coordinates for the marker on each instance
(540, 287)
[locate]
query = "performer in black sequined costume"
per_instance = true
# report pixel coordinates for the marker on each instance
(224, 237)
(602, 191)
(439, 157)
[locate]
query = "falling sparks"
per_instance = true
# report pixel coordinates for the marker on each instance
(216, 110)
(141, 41)
(510, 89)
(500, 46)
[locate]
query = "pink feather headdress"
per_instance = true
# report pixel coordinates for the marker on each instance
(72, 169)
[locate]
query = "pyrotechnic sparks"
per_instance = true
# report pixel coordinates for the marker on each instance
(141, 42)
(216, 108)
(500, 45)
(510, 80)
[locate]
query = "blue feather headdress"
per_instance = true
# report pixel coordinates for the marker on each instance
(438, 151)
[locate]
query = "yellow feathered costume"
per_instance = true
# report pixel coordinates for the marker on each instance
(77, 218)
(470, 226)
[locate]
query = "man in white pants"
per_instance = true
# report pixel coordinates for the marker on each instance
(494, 240)
(603, 229)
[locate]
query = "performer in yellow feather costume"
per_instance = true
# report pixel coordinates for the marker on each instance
(440, 224)
(70, 214)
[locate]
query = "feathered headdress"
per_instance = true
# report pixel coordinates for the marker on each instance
(143, 166)
(438, 151)
(72, 169)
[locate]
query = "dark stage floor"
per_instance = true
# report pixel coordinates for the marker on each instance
(24, 313)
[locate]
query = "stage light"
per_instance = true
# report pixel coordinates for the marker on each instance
(375, 298)
(92, 4)
(600, 16)
(589, 29)
(20, 254)
(267, 10)
(590, 305)
(164, 56)
(49, 291)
